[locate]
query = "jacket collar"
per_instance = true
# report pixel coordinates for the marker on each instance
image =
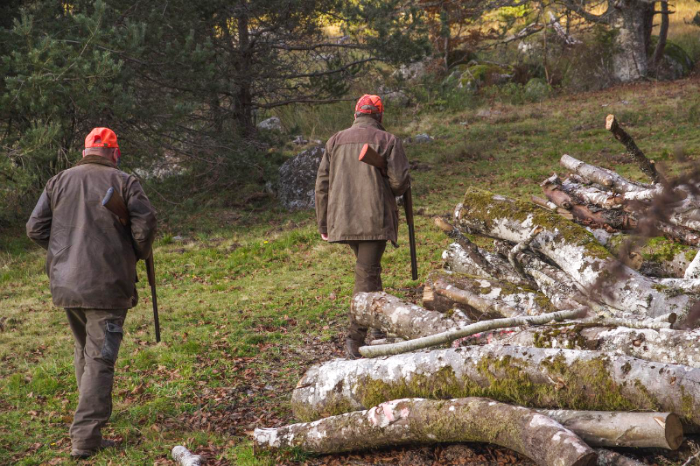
(96, 159)
(367, 121)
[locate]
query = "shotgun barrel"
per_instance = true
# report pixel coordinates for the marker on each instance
(372, 157)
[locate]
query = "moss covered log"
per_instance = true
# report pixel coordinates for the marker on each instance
(656, 257)
(573, 249)
(535, 377)
(420, 421)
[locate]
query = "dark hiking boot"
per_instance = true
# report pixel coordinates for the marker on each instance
(352, 348)
(83, 454)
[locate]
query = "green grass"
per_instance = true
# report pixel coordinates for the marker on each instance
(249, 299)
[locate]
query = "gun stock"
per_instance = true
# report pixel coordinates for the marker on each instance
(372, 157)
(114, 202)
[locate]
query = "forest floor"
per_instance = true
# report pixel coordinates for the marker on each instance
(251, 297)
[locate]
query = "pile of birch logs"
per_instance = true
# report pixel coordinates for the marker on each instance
(552, 339)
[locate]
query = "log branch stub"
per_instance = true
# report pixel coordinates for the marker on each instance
(644, 164)
(420, 421)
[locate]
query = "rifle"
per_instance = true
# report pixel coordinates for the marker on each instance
(371, 157)
(114, 202)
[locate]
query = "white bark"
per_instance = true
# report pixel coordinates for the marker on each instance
(602, 176)
(391, 315)
(419, 421)
(537, 377)
(681, 347)
(575, 251)
(693, 270)
(455, 334)
(629, 430)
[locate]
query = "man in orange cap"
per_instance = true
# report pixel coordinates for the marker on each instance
(356, 203)
(91, 263)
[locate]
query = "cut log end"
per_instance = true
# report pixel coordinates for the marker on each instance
(674, 431)
(610, 122)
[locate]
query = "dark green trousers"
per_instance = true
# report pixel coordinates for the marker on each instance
(368, 276)
(98, 335)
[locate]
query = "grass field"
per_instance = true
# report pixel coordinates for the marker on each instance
(250, 298)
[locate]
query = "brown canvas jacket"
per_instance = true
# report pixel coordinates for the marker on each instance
(91, 258)
(353, 200)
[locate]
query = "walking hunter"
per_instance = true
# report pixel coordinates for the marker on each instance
(91, 263)
(356, 202)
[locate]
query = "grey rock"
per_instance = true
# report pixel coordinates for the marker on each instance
(297, 182)
(271, 124)
(422, 138)
(300, 141)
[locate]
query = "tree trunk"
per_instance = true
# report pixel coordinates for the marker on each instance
(480, 297)
(391, 315)
(575, 251)
(630, 18)
(628, 430)
(663, 36)
(543, 378)
(419, 421)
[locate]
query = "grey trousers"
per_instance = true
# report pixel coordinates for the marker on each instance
(98, 335)
(368, 276)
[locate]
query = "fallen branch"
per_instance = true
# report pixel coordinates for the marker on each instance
(604, 177)
(536, 377)
(420, 421)
(451, 335)
(392, 315)
(629, 430)
(483, 266)
(647, 167)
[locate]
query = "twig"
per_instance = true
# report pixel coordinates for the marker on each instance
(447, 337)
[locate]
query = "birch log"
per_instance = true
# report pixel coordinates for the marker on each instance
(575, 251)
(420, 421)
(480, 297)
(455, 334)
(604, 177)
(536, 377)
(613, 429)
(658, 257)
(392, 315)
(668, 346)
(459, 261)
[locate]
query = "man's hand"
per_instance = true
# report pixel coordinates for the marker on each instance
(324, 237)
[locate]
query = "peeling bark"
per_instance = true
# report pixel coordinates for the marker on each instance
(544, 378)
(630, 430)
(575, 251)
(455, 334)
(392, 315)
(459, 261)
(480, 297)
(420, 421)
(681, 347)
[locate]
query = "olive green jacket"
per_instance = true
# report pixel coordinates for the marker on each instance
(353, 200)
(91, 257)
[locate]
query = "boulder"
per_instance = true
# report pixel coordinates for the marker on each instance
(297, 180)
(271, 124)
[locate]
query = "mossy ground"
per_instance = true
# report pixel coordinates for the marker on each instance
(251, 297)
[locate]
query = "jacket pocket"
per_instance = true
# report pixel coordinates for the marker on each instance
(113, 339)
